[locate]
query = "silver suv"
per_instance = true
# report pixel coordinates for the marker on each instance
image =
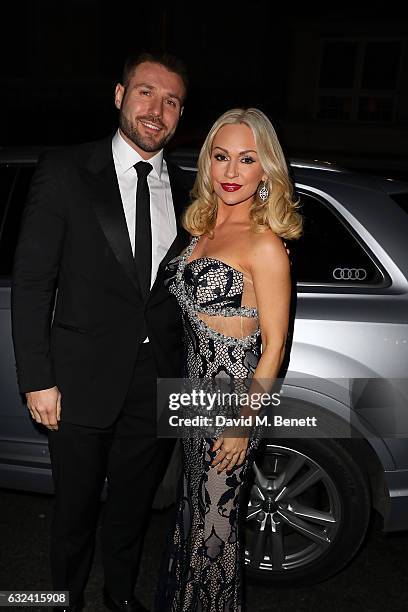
(312, 497)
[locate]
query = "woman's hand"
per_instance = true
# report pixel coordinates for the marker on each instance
(231, 452)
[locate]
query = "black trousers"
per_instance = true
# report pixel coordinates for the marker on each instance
(129, 454)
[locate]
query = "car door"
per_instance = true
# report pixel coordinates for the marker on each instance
(349, 322)
(24, 460)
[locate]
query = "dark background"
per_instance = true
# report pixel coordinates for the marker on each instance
(332, 77)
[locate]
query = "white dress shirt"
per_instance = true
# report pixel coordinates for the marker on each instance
(163, 218)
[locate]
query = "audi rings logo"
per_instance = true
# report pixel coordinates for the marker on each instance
(350, 274)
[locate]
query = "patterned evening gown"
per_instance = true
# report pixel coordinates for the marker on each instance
(203, 566)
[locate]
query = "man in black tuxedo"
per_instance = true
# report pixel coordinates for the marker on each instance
(101, 222)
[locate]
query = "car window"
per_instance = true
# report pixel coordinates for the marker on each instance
(329, 253)
(14, 184)
(401, 199)
(7, 178)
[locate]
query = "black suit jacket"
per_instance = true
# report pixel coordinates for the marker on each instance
(74, 254)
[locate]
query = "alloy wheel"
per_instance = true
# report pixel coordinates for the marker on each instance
(294, 511)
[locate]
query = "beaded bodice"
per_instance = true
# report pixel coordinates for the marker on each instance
(209, 291)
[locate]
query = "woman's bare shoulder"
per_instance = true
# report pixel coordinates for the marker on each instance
(266, 244)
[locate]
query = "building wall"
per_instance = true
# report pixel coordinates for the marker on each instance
(371, 143)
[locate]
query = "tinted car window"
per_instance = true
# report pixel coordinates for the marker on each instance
(7, 178)
(329, 252)
(401, 199)
(14, 183)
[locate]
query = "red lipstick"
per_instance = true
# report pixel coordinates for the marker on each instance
(230, 186)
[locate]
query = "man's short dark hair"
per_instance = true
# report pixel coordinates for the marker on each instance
(169, 61)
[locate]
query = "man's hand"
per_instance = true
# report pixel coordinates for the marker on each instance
(45, 407)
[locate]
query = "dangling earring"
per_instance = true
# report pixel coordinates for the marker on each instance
(264, 192)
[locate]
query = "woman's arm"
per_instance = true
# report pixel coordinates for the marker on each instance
(270, 269)
(269, 266)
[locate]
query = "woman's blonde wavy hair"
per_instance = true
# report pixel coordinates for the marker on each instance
(278, 212)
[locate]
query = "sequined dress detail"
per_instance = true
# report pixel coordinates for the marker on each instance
(202, 570)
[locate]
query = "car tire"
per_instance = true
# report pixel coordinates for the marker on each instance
(314, 514)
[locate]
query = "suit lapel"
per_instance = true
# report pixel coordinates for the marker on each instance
(107, 203)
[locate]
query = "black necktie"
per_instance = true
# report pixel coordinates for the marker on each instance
(143, 234)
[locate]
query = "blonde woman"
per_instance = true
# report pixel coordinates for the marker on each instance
(234, 287)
